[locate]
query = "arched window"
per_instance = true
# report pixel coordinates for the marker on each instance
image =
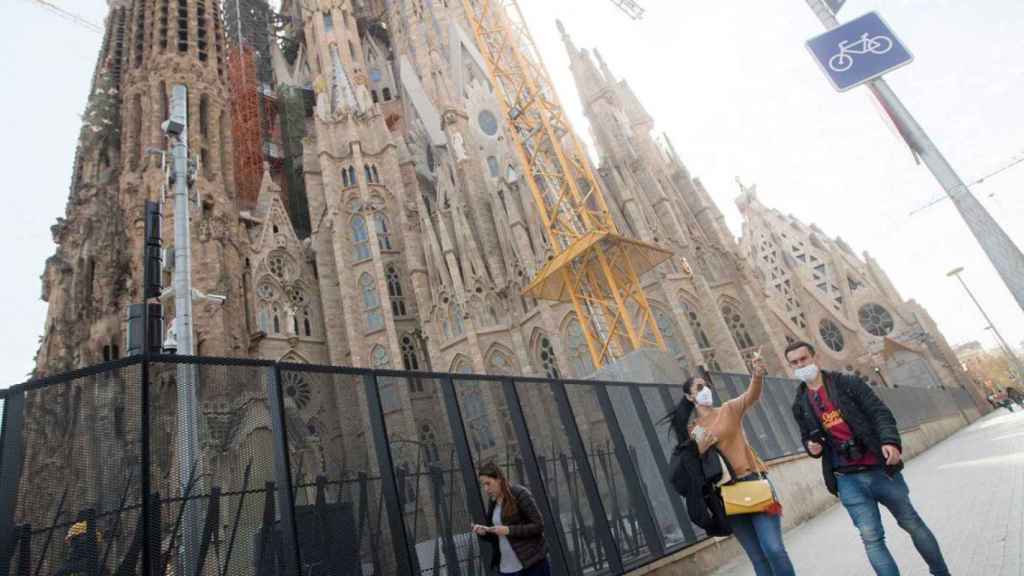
(371, 303)
(277, 319)
(667, 326)
(306, 322)
(474, 411)
(707, 351)
(380, 358)
(366, 171)
(414, 358)
(351, 176)
(383, 231)
(360, 238)
(395, 292)
(738, 329)
(136, 133)
(831, 335)
(576, 347)
(429, 440)
(388, 386)
(737, 326)
(410, 352)
(344, 177)
(458, 328)
(452, 322)
(263, 320)
(545, 357)
(500, 362)
(376, 175)
(204, 116)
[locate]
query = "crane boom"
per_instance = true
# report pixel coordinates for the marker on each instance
(68, 15)
(631, 8)
(593, 267)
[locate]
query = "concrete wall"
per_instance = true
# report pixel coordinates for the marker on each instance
(801, 489)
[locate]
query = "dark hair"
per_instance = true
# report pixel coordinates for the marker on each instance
(798, 345)
(678, 418)
(508, 502)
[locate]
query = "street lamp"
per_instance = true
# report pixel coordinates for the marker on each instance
(1015, 362)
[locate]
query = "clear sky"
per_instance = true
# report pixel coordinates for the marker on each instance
(729, 81)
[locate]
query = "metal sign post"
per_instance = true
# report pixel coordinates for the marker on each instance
(188, 416)
(861, 55)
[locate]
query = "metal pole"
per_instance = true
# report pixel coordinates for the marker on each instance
(1014, 360)
(188, 417)
(1005, 256)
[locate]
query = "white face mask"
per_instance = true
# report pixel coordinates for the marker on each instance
(806, 373)
(704, 398)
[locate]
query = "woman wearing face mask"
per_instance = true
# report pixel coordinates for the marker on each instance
(515, 528)
(722, 427)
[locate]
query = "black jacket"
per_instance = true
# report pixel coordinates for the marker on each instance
(869, 418)
(525, 529)
(694, 477)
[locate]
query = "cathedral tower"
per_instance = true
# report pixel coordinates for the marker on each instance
(96, 272)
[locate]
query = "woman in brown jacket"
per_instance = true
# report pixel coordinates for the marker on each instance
(759, 534)
(514, 528)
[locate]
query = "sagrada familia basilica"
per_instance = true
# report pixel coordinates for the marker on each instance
(358, 203)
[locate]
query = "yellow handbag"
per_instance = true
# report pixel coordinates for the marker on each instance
(747, 497)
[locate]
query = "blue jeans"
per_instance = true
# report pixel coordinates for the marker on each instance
(761, 538)
(861, 493)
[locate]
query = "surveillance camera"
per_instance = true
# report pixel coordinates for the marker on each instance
(172, 127)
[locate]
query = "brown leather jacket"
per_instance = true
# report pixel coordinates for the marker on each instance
(525, 529)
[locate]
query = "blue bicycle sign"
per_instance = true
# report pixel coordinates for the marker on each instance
(858, 51)
(866, 45)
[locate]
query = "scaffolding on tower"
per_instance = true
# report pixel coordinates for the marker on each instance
(267, 120)
(594, 268)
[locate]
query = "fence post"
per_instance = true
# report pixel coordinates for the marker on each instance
(659, 459)
(283, 471)
(465, 456)
(150, 548)
(634, 485)
(404, 553)
(579, 452)
(552, 523)
(12, 452)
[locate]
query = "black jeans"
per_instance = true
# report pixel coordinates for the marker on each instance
(542, 568)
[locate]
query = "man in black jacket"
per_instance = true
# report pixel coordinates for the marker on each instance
(855, 434)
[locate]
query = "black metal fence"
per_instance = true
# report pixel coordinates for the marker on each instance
(314, 471)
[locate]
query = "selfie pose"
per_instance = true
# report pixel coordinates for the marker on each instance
(855, 434)
(514, 528)
(752, 511)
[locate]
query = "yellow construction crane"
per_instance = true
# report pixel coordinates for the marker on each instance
(593, 267)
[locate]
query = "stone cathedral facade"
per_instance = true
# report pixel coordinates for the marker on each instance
(422, 234)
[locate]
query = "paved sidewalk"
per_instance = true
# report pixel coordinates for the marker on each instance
(970, 491)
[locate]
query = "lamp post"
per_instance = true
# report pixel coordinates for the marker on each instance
(878, 372)
(1015, 362)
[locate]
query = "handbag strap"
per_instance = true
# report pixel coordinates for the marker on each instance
(760, 467)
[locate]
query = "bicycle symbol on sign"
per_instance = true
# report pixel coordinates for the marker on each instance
(866, 45)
